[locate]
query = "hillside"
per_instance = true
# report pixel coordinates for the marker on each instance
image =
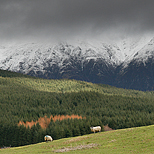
(131, 140)
(26, 99)
(66, 85)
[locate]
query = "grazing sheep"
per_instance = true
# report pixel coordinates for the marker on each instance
(48, 138)
(96, 129)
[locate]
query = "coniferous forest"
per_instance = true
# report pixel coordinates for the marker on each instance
(25, 98)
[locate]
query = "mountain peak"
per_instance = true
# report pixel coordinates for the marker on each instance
(95, 61)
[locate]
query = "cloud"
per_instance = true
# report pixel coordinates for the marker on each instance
(68, 19)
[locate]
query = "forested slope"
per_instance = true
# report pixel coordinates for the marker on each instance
(23, 98)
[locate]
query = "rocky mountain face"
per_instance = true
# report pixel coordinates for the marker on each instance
(126, 64)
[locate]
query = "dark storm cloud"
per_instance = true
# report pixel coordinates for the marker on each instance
(33, 19)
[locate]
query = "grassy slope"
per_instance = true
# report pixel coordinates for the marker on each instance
(131, 140)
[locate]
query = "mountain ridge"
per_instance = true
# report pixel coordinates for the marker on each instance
(98, 63)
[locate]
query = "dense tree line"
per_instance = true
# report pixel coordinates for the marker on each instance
(13, 135)
(21, 103)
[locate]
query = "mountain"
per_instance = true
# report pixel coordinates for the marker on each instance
(125, 62)
(138, 71)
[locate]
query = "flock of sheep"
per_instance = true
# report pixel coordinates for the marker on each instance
(93, 129)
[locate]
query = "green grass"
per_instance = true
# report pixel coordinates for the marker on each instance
(124, 141)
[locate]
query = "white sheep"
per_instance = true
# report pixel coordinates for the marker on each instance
(96, 129)
(48, 138)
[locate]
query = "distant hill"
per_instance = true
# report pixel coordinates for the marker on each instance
(10, 74)
(24, 98)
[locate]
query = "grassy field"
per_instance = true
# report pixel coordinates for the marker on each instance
(131, 140)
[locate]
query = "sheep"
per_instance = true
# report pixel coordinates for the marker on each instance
(96, 129)
(48, 138)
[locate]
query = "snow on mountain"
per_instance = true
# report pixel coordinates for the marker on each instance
(34, 56)
(136, 48)
(28, 57)
(2, 53)
(146, 52)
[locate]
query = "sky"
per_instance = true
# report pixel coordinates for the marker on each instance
(66, 20)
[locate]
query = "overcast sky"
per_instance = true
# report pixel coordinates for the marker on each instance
(59, 20)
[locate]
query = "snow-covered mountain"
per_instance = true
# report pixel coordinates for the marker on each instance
(109, 63)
